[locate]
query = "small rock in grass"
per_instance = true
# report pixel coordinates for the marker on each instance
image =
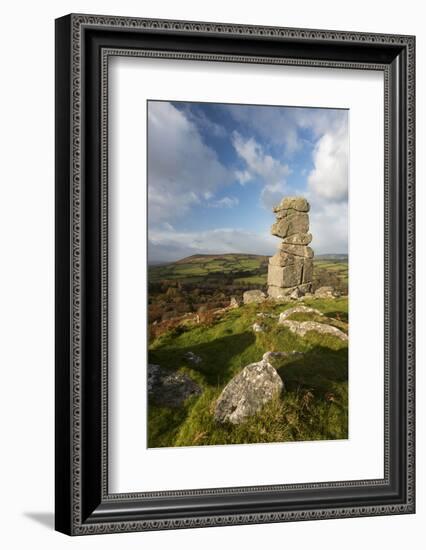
(266, 315)
(170, 388)
(298, 309)
(254, 297)
(296, 294)
(258, 327)
(302, 327)
(234, 303)
(324, 292)
(256, 385)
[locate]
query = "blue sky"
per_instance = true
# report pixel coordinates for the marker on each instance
(216, 170)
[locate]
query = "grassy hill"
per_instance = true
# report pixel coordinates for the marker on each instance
(314, 405)
(240, 269)
(200, 266)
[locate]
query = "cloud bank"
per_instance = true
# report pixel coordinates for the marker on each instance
(182, 169)
(221, 168)
(164, 246)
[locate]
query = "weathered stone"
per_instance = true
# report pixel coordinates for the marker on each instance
(170, 388)
(267, 315)
(282, 259)
(296, 294)
(297, 250)
(234, 303)
(296, 203)
(297, 222)
(298, 309)
(257, 327)
(285, 276)
(254, 297)
(245, 395)
(308, 268)
(152, 376)
(290, 270)
(280, 293)
(302, 327)
(324, 292)
(298, 238)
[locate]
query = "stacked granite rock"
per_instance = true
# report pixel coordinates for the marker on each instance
(290, 269)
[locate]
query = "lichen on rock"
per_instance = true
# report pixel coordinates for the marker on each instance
(290, 270)
(256, 385)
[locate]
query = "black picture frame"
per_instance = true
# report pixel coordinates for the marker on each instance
(83, 45)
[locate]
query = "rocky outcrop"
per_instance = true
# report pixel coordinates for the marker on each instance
(254, 297)
(298, 309)
(290, 269)
(234, 303)
(256, 385)
(302, 327)
(169, 388)
(324, 292)
(257, 327)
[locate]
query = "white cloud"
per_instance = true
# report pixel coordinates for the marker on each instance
(243, 176)
(282, 125)
(329, 227)
(273, 124)
(272, 193)
(258, 162)
(328, 183)
(202, 121)
(225, 202)
(329, 177)
(182, 170)
(271, 171)
(170, 246)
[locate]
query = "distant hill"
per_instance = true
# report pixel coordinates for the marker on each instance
(228, 258)
(250, 269)
(210, 265)
(334, 257)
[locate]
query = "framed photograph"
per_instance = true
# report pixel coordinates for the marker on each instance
(234, 274)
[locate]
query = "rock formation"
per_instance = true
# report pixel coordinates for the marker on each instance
(253, 297)
(299, 309)
(256, 385)
(324, 292)
(290, 269)
(302, 327)
(170, 388)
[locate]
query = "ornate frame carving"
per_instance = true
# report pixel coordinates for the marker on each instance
(83, 504)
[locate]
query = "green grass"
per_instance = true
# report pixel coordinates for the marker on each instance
(208, 264)
(314, 405)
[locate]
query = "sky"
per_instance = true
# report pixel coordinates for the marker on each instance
(216, 170)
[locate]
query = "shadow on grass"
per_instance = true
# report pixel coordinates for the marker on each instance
(318, 369)
(339, 315)
(220, 357)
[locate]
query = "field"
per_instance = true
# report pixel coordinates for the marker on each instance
(208, 281)
(210, 266)
(240, 268)
(314, 405)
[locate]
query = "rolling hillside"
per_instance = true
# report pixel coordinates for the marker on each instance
(194, 268)
(244, 269)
